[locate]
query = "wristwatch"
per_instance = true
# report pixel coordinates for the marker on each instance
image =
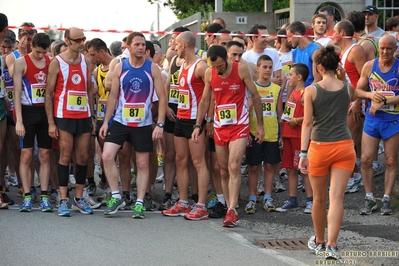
(197, 126)
(160, 124)
(209, 120)
(385, 101)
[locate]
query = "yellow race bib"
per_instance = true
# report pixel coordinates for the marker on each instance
(133, 112)
(77, 101)
(227, 114)
(38, 93)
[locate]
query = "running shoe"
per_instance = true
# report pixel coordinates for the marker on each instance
(114, 205)
(351, 187)
(13, 180)
(160, 160)
(138, 211)
(45, 205)
(148, 203)
(332, 253)
(385, 207)
(102, 185)
(3, 205)
(6, 199)
(81, 206)
(268, 205)
(165, 205)
(197, 213)
(231, 219)
(370, 205)
(378, 170)
(300, 182)
(91, 202)
(63, 209)
(104, 198)
(261, 186)
(278, 185)
(219, 211)
(176, 210)
(91, 189)
(308, 209)
(26, 205)
(316, 247)
(250, 207)
(358, 179)
(159, 178)
(288, 206)
(20, 192)
(211, 200)
(54, 198)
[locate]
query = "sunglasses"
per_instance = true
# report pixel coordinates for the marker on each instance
(78, 40)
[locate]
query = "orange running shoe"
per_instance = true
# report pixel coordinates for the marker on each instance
(176, 210)
(231, 219)
(197, 213)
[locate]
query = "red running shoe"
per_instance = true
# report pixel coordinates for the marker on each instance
(197, 213)
(176, 210)
(231, 219)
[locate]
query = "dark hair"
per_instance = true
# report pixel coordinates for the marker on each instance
(3, 22)
(232, 43)
(149, 46)
(58, 46)
(181, 29)
(223, 23)
(41, 40)
(97, 45)
(347, 26)
(255, 30)
(263, 57)
(391, 23)
(301, 69)
(25, 29)
(328, 9)
(216, 51)
(124, 39)
(328, 58)
(358, 20)
(281, 32)
(213, 28)
(297, 26)
(130, 37)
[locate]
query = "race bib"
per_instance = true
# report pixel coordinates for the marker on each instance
(174, 94)
(133, 112)
(227, 114)
(268, 107)
(10, 93)
(184, 99)
(38, 93)
(288, 112)
(388, 95)
(102, 104)
(77, 101)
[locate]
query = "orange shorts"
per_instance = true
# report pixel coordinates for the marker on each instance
(325, 155)
(224, 135)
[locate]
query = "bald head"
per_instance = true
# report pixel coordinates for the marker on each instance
(188, 38)
(387, 40)
(73, 33)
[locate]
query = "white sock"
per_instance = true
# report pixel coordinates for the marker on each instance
(387, 197)
(116, 194)
(221, 198)
(369, 195)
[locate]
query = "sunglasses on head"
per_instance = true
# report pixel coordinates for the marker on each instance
(78, 40)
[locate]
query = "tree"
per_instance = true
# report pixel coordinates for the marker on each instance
(186, 8)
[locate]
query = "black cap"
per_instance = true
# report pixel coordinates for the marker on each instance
(370, 9)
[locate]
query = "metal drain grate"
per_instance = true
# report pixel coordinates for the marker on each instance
(286, 244)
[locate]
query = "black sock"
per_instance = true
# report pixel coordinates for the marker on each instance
(28, 194)
(194, 197)
(77, 199)
(91, 180)
(43, 193)
(103, 179)
(167, 196)
(126, 194)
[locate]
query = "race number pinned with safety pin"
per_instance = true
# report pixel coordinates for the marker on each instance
(77, 101)
(10, 93)
(227, 114)
(387, 95)
(288, 112)
(133, 113)
(184, 99)
(174, 94)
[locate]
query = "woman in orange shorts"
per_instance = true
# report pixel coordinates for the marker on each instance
(331, 150)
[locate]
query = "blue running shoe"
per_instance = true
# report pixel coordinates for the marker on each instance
(81, 206)
(63, 209)
(44, 205)
(26, 205)
(33, 192)
(211, 200)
